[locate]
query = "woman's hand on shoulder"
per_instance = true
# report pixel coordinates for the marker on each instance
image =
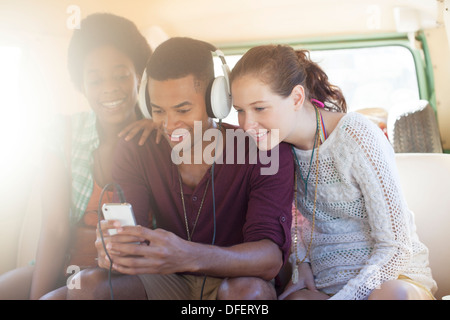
(146, 126)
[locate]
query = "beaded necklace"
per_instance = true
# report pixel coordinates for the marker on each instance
(319, 138)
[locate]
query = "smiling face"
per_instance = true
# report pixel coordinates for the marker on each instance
(110, 85)
(268, 118)
(178, 104)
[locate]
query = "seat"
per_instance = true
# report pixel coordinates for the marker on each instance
(412, 127)
(425, 181)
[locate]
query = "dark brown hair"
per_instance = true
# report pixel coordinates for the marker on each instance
(100, 29)
(179, 57)
(282, 68)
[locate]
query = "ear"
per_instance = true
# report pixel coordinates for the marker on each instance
(298, 95)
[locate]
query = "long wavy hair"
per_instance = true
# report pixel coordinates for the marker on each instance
(282, 68)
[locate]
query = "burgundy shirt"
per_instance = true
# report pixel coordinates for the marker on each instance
(248, 206)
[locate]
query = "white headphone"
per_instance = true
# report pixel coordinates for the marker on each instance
(144, 97)
(218, 93)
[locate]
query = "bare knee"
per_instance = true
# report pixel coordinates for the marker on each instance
(397, 290)
(58, 294)
(88, 284)
(306, 294)
(16, 284)
(93, 284)
(246, 288)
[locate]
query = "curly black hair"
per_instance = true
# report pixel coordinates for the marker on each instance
(102, 29)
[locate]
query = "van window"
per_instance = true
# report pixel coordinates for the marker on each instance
(10, 124)
(370, 77)
(10, 58)
(374, 77)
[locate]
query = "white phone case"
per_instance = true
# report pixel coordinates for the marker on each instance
(122, 212)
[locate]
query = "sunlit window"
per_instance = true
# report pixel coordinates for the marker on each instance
(9, 76)
(376, 77)
(373, 77)
(10, 124)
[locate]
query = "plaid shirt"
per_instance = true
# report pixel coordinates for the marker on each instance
(84, 141)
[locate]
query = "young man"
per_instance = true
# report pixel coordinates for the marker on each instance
(222, 231)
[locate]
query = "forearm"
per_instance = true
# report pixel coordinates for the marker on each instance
(167, 253)
(55, 230)
(49, 263)
(259, 259)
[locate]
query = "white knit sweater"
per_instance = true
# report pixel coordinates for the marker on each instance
(364, 232)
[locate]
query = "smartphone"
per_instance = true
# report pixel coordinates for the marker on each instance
(122, 212)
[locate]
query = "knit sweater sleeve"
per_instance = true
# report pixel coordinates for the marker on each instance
(374, 170)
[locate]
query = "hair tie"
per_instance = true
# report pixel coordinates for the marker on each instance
(317, 103)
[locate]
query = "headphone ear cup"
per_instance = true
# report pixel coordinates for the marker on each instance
(218, 99)
(144, 99)
(209, 110)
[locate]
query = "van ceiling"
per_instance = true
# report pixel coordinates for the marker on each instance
(225, 21)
